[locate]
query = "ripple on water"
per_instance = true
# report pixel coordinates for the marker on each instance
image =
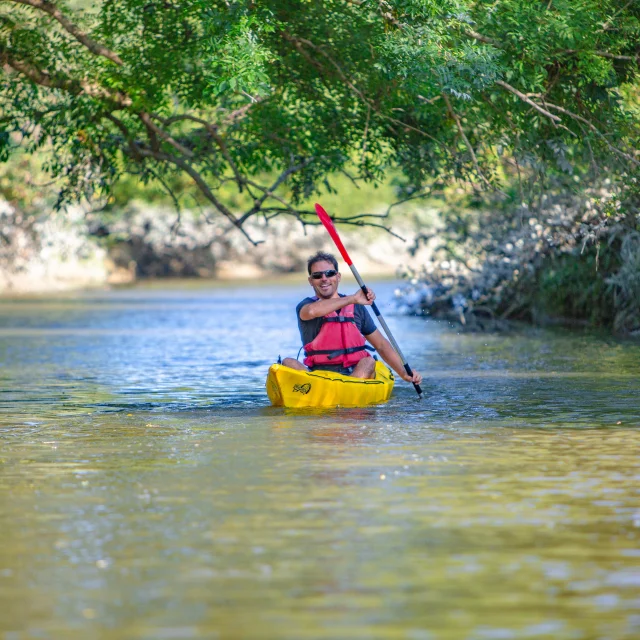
(147, 489)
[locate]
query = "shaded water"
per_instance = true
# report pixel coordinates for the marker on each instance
(147, 490)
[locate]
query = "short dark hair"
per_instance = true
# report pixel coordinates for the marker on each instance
(321, 255)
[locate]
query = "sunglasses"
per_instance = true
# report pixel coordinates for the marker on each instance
(329, 273)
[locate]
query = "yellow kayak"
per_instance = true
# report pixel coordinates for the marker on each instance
(294, 388)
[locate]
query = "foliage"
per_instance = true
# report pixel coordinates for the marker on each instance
(570, 288)
(225, 92)
(574, 259)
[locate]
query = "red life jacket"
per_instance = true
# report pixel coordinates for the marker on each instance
(339, 341)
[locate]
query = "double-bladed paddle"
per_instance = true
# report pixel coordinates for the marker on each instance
(333, 232)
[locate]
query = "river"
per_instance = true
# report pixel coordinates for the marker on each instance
(148, 490)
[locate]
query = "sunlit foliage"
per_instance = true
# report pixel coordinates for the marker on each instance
(223, 92)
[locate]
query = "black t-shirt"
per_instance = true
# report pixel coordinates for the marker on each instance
(309, 329)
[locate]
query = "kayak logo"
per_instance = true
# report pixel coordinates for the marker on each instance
(302, 388)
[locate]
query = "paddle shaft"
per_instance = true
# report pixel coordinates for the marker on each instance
(385, 326)
(333, 232)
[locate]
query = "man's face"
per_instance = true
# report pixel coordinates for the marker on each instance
(324, 287)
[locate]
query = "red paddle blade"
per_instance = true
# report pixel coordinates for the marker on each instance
(328, 225)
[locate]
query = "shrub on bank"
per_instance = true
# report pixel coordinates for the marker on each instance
(575, 261)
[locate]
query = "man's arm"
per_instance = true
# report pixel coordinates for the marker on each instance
(391, 357)
(321, 308)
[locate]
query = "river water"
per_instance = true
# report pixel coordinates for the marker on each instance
(148, 490)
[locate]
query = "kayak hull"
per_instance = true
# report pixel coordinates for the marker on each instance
(295, 388)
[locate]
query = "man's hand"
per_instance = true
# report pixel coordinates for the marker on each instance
(359, 297)
(391, 357)
(416, 379)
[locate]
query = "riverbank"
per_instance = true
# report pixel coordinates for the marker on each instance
(573, 260)
(74, 249)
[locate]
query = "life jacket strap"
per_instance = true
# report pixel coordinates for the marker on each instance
(331, 354)
(340, 319)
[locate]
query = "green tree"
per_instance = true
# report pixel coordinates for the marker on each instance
(225, 92)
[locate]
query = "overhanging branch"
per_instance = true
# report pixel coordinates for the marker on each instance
(468, 144)
(212, 130)
(482, 38)
(154, 129)
(595, 130)
(269, 192)
(71, 85)
(200, 183)
(71, 28)
(528, 100)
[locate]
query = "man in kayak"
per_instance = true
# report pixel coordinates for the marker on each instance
(334, 326)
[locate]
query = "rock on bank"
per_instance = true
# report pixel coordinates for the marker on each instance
(52, 252)
(76, 249)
